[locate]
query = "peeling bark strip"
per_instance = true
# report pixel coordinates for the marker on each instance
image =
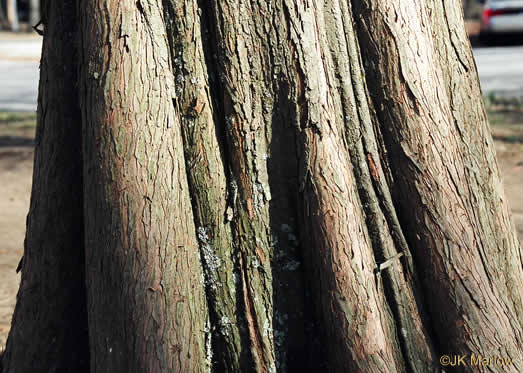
(49, 326)
(140, 231)
(282, 186)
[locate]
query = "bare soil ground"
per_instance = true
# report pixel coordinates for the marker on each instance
(16, 166)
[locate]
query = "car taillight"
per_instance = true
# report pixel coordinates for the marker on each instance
(488, 13)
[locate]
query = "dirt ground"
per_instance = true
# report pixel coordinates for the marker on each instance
(16, 168)
(16, 162)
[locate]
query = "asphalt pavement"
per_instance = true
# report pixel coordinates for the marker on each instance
(19, 71)
(500, 71)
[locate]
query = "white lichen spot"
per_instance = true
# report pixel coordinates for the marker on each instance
(292, 265)
(234, 185)
(211, 261)
(229, 214)
(195, 80)
(267, 330)
(180, 79)
(281, 318)
(229, 120)
(208, 346)
(280, 336)
(225, 323)
(235, 278)
(96, 75)
(260, 196)
(203, 235)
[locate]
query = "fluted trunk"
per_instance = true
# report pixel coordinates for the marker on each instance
(288, 186)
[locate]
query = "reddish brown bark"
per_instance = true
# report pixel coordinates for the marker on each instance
(264, 181)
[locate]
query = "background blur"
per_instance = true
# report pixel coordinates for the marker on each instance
(499, 58)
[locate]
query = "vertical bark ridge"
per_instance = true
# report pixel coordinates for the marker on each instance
(200, 123)
(427, 129)
(460, 73)
(381, 219)
(297, 342)
(238, 68)
(146, 301)
(243, 53)
(274, 329)
(49, 326)
(340, 256)
(259, 119)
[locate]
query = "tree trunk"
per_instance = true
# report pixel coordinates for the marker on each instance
(286, 187)
(12, 15)
(146, 303)
(49, 332)
(3, 18)
(34, 12)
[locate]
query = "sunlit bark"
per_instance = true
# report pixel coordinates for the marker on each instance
(287, 187)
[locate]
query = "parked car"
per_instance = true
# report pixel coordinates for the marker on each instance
(500, 17)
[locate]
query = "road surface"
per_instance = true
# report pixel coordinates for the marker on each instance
(500, 70)
(19, 71)
(18, 85)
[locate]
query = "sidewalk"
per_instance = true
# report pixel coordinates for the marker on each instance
(19, 70)
(20, 46)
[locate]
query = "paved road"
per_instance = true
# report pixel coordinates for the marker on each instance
(19, 71)
(18, 85)
(500, 71)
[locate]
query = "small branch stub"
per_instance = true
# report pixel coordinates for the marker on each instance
(386, 264)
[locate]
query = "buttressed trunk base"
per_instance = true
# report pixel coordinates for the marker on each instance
(279, 186)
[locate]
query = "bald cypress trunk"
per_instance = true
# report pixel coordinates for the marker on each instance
(49, 327)
(290, 186)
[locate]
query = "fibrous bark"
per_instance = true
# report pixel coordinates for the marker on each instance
(146, 305)
(49, 332)
(290, 186)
